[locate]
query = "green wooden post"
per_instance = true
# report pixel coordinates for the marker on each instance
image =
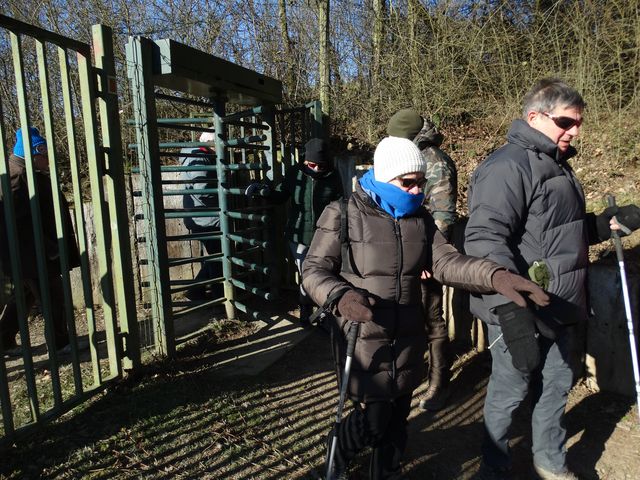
(16, 268)
(115, 182)
(101, 215)
(74, 164)
(43, 74)
(36, 216)
(139, 58)
(221, 162)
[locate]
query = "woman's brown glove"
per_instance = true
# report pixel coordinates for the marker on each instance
(355, 307)
(509, 284)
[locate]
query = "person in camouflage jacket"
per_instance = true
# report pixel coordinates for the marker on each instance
(441, 190)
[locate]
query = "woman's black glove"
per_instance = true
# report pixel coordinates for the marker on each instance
(509, 284)
(518, 326)
(629, 216)
(354, 306)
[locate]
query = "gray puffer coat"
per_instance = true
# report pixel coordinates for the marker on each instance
(526, 205)
(387, 258)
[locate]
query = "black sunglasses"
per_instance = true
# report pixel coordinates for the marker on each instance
(565, 123)
(409, 183)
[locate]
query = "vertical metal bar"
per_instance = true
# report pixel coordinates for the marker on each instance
(139, 58)
(5, 398)
(221, 161)
(43, 74)
(274, 173)
(16, 276)
(36, 217)
(74, 163)
(101, 216)
(115, 182)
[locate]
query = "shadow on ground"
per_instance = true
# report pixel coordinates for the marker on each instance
(201, 418)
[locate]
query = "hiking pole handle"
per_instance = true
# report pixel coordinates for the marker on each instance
(611, 200)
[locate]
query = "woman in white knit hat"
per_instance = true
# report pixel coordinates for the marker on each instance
(373, 277)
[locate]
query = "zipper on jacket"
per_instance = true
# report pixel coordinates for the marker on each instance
(396, 228)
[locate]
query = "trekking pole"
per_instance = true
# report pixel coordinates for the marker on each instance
(627, 307)
(351, 345)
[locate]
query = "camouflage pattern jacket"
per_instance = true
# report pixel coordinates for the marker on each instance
(441, 189)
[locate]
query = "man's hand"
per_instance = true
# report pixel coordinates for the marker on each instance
(623, 219)
(356, 307)
(520, 336)
(509, 284)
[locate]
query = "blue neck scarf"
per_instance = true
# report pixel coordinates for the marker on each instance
(393, 200)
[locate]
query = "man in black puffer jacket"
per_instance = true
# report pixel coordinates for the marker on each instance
(392, 239)
(527, 213)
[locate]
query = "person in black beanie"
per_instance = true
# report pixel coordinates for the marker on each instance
(310, 186)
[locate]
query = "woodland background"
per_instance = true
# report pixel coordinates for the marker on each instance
(466, 64)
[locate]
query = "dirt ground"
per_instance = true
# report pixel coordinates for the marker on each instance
(189, 419)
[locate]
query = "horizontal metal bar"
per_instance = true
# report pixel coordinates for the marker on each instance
(251, 313)
(248, 288)
(247, 166)
(194, 306)
(134, 146)
(248, 140)
(18, 27)
(188, 101)
(251, 146)
(245, 113)
(253, 267)
(185, 121)
(177, 168)
(182, 191)
(239, 123)
(248, 241)
(195, 154)
(183, 285)
(248, 216)
(190, 191)
(194, 236)
(190, 213)
(181, 126)
(291, 110)
(174, 262)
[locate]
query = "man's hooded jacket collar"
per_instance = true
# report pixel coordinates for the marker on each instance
(520, 133)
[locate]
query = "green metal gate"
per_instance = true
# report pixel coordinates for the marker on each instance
(167, 76)
(62, 98)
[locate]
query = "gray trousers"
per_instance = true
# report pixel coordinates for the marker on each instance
(549, 384)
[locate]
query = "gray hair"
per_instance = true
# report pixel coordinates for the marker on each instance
(550, 93)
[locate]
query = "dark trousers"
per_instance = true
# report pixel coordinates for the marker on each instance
(380, 425)
(210, 269)
(437, 332)
(549, 385)
(9, 326)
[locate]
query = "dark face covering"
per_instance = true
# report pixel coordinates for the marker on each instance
(314, 173)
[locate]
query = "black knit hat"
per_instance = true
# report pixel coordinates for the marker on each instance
(316, 150)
(405, 123)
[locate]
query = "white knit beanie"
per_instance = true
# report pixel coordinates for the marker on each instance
(395, 156)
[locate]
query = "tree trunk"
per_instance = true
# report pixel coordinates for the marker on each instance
(288, 60)
(324, 56)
